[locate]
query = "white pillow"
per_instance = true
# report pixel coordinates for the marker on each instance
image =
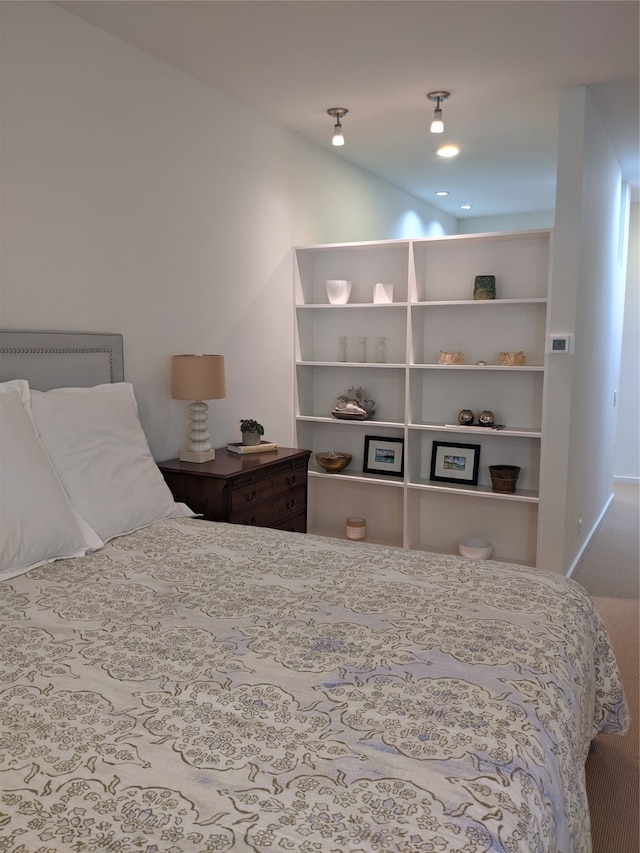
(37, 522)
(96, 443)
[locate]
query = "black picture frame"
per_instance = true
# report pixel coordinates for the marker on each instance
(383, 455)
(455, 463)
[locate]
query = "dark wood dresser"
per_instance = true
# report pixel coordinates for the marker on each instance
(268, 489)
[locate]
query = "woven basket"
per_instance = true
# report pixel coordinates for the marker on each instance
(512, 359)
(504, 477)
(450, 357)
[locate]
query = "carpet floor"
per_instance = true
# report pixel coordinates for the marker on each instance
(610, 571)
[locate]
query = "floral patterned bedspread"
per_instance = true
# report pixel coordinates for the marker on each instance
(205, 687)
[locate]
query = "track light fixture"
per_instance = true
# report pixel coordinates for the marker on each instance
(337, 113)
(437, 125)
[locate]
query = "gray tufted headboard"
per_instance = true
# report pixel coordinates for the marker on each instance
(61, 359)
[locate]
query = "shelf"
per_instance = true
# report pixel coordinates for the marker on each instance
(518, 432)
(324, 419)
(480, 491)
(436, 303)
(525, 368)
(418, 399)
(350, 364)
(336, 497)
(360, 476)
(328, 305)
(369, 539)
(493, 558)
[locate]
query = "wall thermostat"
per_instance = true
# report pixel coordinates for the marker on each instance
(559, 344)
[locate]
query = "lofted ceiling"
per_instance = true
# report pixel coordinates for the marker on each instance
(503, 61)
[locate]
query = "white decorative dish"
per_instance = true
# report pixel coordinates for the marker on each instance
(475, 549)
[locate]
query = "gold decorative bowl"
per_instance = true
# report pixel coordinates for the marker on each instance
(333, 462)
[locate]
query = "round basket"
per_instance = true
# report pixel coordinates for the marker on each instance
(504, 477)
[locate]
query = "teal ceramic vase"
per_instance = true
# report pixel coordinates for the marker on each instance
(484, 287)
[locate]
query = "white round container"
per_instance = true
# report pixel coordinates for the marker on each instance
(356, 528)
(338, 291)
(475, 549)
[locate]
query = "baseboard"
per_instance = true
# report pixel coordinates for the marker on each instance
(592, 533)
(632, 481)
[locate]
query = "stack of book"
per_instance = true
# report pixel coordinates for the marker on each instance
(239, 447)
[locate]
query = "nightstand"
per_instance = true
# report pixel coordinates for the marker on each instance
(268, 489)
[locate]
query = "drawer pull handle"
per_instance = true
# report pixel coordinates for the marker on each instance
(292, 480)
(251, 496)
(291, 504)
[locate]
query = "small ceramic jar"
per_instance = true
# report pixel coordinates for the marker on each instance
(484, 287)
(356, 528)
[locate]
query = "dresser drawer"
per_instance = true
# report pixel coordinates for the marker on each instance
(275, 511)
(253, 489)
(266, 489)
(297, 524)
(200, 494)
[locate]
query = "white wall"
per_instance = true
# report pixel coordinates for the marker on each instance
(627, 440)
(137, 200)
(512, 222)
(589, 257)
(627, 453)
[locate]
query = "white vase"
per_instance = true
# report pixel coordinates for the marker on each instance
(338, 291)
(382, 293)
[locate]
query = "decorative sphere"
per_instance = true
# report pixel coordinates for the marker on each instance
(465, 417)
(486, 418)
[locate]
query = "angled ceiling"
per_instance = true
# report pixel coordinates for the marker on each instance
(504, 62)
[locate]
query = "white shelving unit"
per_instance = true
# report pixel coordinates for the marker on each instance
(417, 398)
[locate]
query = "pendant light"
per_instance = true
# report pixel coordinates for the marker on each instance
(437, 125)
(337, 113)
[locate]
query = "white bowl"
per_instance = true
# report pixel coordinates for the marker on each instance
(338, 291)
(475, 549)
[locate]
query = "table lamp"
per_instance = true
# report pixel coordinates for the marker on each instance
(197, 378)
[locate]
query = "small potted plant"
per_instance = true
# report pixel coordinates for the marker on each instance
(251, 431)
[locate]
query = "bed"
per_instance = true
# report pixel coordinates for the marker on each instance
(184, 686)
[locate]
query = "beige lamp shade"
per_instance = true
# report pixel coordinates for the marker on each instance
(197, 377)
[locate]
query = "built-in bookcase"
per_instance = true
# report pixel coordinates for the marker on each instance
(417, 398)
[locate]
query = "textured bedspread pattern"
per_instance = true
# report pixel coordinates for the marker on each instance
(201, 688)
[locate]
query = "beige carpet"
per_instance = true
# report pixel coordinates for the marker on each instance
(610, 566)
(610, 571)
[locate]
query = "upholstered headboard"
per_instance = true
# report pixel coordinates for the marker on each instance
(61, 359)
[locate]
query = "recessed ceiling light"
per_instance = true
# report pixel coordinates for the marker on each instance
(448, 151)
(442, 192)
(466, 206)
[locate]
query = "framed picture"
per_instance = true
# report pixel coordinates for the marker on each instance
(383, 455)
(455, 463)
